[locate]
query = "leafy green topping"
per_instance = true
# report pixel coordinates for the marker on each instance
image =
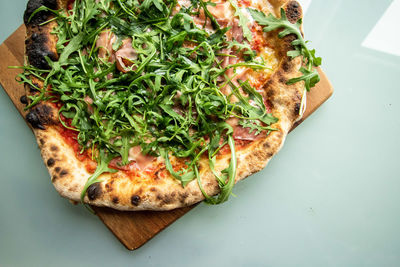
(226, 181)
(168, 99)
(243, 21)
(102, 167)
(310, 74)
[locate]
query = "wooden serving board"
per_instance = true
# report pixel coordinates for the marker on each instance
(133, 229)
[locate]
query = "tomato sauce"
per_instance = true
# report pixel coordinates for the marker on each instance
(70, 4)
(244, 3)
(71, 139)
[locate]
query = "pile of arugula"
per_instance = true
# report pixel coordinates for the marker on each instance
(142, 107)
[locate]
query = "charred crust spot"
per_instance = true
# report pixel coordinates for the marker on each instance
(286, 66)
(39, 116)
(167, 199)
(164, 199)
(269, 155)
(270, 104)
(50, 162)
(41, 141)
(33, 119)
(37, 49)
(139, 191)
(271, 93)
(54, 148)
(54, 178)
(74, 188)
(41, 16)
(287, 45)
(282, 80)
(268, 84)
(23, 99)
(153, 189)
(115, 200)
(108, 187)
(156, 176)
(57, 169)
(63, 173)
(33, 89)
(293, 11)
(183, 197)
(297, 108)
(135, 200)
(94, 191)
(266, 145)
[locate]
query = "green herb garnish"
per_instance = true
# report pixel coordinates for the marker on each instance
(243, 21)
(310, 74)
(168, 101)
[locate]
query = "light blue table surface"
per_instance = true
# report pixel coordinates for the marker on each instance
(329, 198)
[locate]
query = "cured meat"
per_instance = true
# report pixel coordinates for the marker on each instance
(125, 55)
(104, 43)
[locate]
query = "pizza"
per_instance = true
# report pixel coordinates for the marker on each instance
(160, 104)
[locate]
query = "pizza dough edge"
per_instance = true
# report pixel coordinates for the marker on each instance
(120, 192)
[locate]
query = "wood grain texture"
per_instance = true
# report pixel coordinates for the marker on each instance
(133, 229)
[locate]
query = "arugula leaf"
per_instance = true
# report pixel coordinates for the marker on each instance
(226, 186)
(255, 126)
(184, 175)
(207, 13)
(102, 167)
(73, 46)
(243, 21)
(310, 76)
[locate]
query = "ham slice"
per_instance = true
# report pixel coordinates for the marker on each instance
(137, 161)
(222, 11)
(240, 133)
(104, 43)
(89, 102)
(125, 55)
(237, 31)
(135, 154)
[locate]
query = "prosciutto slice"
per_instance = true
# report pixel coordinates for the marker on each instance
(240, 133)
(125, 55)
(104, 43)
(137, 161)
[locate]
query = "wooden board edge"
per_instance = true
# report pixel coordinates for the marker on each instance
(318, 95)
(317, 99)
(106, 214)
(102, 214)
(10, 60)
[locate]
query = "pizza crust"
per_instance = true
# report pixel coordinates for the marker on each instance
(157, 192)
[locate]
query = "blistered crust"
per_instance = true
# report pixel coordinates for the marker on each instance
(41, 16)
(41, 115)
(161, 191)
(39, 42)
